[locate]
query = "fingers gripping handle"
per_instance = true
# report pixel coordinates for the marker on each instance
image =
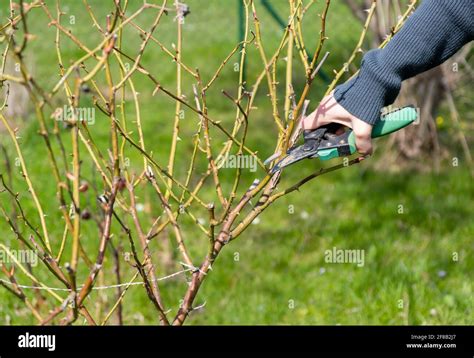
(344, 144)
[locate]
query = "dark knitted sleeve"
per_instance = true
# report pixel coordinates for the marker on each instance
(432, 34)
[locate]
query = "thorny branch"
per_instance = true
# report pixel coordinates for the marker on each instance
(158, 199)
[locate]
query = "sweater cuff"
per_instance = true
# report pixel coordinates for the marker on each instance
(369, 91)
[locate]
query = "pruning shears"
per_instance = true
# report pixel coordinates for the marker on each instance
(325, 144)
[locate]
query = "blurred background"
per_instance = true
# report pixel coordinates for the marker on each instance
(410, 207)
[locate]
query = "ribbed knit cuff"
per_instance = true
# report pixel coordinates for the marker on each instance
(366, 94)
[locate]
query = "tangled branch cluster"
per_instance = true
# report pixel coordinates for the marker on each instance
(108, 71)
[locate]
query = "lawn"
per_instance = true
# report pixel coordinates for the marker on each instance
(415, 229)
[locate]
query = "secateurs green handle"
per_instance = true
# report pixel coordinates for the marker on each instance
(388, 123)
(323, 143)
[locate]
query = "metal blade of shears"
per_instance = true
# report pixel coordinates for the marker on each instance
(309, 149)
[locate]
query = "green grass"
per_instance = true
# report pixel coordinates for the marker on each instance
(275, 273)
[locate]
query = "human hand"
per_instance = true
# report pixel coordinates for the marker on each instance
(329, 111)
